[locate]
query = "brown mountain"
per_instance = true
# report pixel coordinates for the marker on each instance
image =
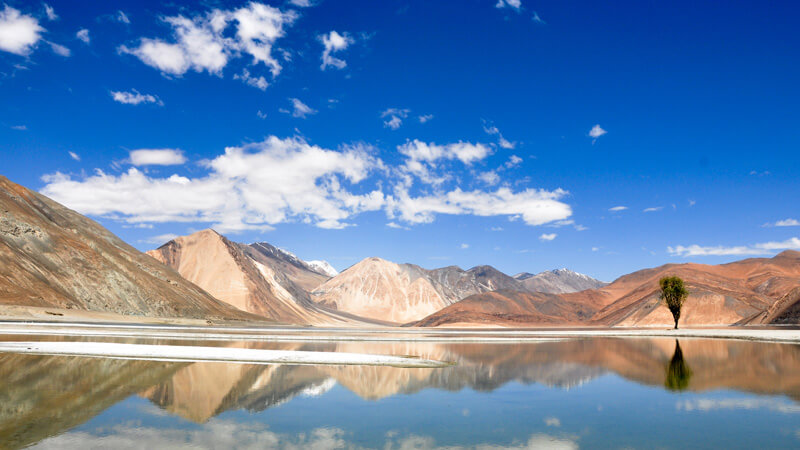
(756, 290)
(559, 281)
(401, 293)
(53, 257)
(253, 278)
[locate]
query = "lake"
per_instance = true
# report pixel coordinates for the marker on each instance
(575, 393)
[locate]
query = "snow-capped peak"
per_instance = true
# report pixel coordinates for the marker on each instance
(322, 267)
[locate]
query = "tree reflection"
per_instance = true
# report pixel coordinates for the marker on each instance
(678, 371)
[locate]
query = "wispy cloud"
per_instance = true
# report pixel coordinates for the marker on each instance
(501, 141)
(334, 42)
(513, 4)
(596, 132)
(425, 118)
(765, 248)
(618, 208)
(134, 97)
(50, 12)
(83, 35)
(160, 239)
(653, 209)
(74, 156)
(157, 157)
(300, 109)
(784, 223)
(547, 236)
(394, 117)
(257, 82)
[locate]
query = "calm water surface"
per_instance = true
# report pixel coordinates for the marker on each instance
(586, 393)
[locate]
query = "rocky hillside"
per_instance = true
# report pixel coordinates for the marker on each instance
(559, 281)
(51, 256)
(401, 293)
(752, 291)
(257, 278)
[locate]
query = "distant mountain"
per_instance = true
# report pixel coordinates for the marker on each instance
(559, 281)
(751, 291)
(257, 278)
(401, 293)
(323, 267)
(53, 257)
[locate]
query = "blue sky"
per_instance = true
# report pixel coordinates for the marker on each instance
(484, 133)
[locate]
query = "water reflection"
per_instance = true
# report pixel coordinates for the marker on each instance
(678, 371)
(42, 396)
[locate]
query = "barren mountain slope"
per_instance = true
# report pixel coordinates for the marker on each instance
(402, 293)
(246, 277)
(51, 256)
(757, 290)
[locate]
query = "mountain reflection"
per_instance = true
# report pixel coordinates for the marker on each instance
(41, 396)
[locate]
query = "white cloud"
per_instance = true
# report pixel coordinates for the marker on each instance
(157, 157)
(122, 17)
(396, 226)
(422, 157)
(552, 422)
(653, 209)
(256, 82)
(19, 33)
(250, 187)
(711, 404)
(300, 109)
(784, 223)
(301, 3)
(50, 12)
(596, 132)
(74, 156)
(160, 239)
(19, 127)
(261, 115)
(60, 50)
(755, 249)
(490, 177)
(222, 433)
(547, 236)
(538, 19)
(202, 44)
(594, 249)
(618, 208)
(425, 118)
(464, 246)
(83, 35)
(514, 4)
(396, 116)
(497, 228)
(513, 161)
(334, 42)
(501, 141)
(134, 98)
(534, 207)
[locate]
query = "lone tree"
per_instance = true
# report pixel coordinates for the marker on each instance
(673, 294)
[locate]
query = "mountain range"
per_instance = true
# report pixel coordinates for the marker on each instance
(55, 260)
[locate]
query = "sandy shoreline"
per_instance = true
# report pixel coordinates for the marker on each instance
(382, 334)
(214, 354)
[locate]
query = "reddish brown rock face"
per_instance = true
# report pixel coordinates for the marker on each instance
(51, 256)
(752, 291)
